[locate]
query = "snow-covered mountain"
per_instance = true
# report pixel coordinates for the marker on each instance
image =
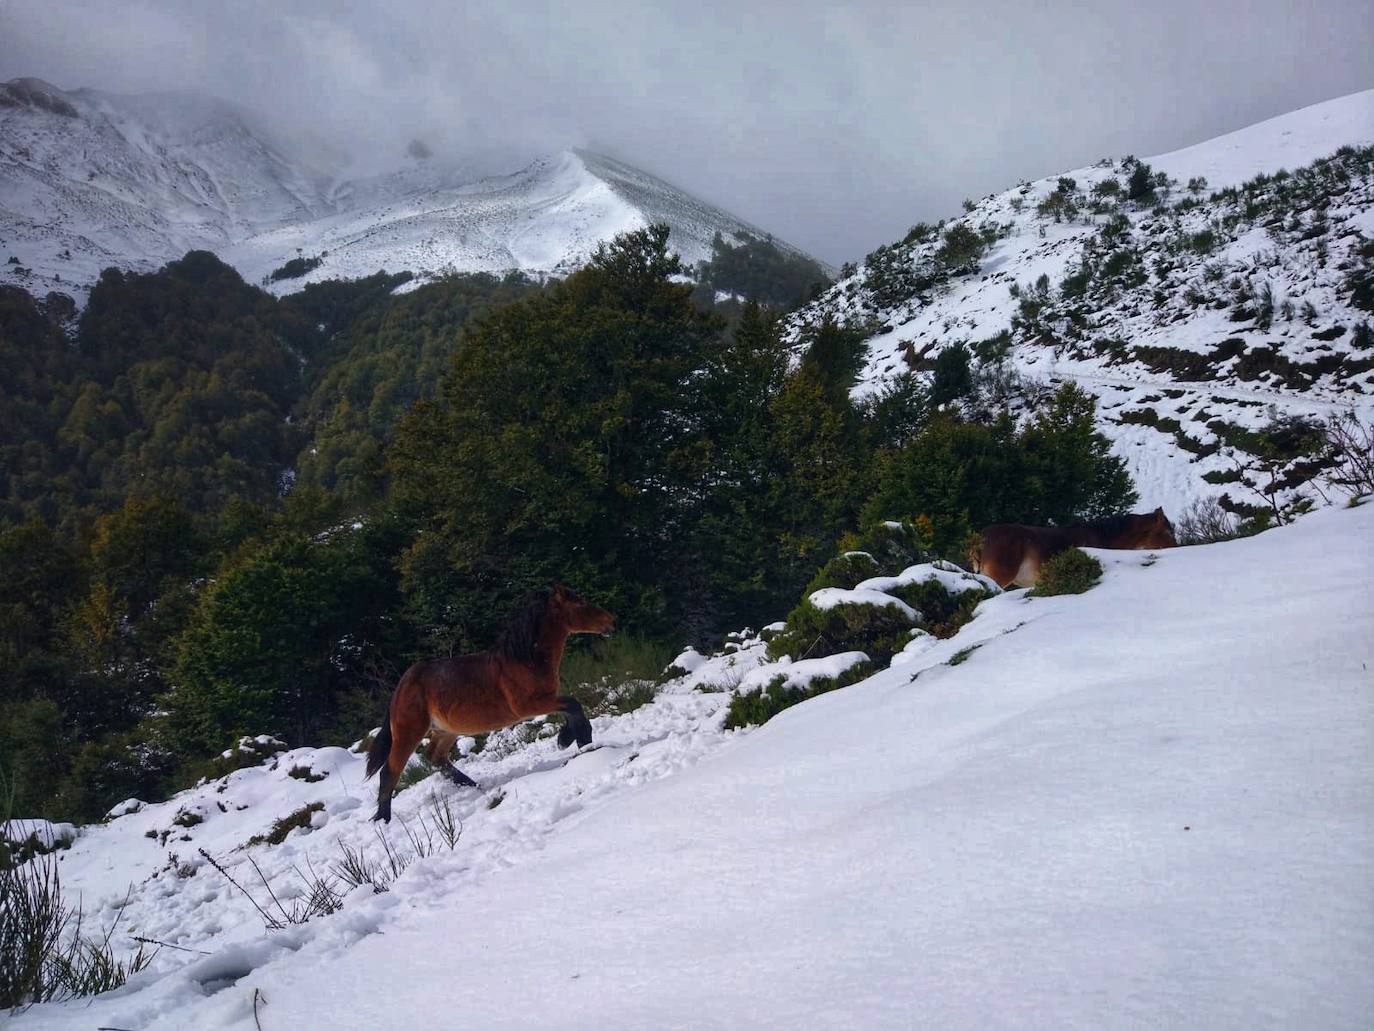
(1145, 806)
(91, 179)
(1193, 313)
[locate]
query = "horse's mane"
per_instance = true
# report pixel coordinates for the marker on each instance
(1112, 525)
(520, 636)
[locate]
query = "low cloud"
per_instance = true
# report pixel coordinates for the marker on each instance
(834, 126)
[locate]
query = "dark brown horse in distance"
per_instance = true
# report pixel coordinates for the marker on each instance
(1011, 553)
(515, 679)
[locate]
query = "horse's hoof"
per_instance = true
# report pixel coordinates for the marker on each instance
(584, 736)
(566, 736)
(379, 815)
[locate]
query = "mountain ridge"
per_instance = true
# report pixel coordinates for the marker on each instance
(90, 179)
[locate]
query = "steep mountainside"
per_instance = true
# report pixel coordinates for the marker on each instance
(1195, 294)
(91, 179)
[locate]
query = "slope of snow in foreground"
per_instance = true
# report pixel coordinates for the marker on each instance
(1149, 805)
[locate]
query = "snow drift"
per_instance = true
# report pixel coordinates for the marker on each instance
(1148, 805)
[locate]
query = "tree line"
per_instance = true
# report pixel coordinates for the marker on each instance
(227, 514)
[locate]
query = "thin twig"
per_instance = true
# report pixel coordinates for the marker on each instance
(268, 886)
(257, 993)
(272, 923)
(167, 945)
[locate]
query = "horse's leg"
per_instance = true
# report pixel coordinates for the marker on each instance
(408, 725)
(440, 752)
(576, 726)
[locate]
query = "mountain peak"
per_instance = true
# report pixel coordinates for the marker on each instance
(140, 180)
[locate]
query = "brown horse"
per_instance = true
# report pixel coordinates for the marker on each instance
(1011, 553)
(471, 694)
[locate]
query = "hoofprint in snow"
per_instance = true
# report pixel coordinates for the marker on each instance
(1191, 310)
(1148, 805)
(91, 179)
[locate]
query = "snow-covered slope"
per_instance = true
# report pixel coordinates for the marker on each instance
(1165, 322)
(91, 179)
(1145, 806)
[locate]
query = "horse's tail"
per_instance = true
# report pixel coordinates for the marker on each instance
(381, 746)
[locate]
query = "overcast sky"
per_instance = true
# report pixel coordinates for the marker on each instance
(833, 125)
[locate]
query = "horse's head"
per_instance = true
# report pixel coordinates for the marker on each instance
(1158, 532)
(579, 615)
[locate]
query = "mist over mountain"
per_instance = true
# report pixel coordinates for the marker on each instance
(90, 179)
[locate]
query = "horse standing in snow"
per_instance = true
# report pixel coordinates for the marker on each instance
(1011, 553)
(515, 679)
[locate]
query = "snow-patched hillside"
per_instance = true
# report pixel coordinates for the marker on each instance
(91, 179)
(1148, 805)
(1158, 307)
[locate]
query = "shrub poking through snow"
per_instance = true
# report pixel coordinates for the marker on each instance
(43, 954)
(1069, 572)
(833, 621)
(21, 840)
(616, 675)
(281, 828)
(1206, 522)
(250, 751)
(877, 615)
(751, 708)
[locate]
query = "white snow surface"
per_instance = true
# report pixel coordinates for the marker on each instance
(947, 574)
(1146, 806)
(91, 179)
(798, 674)
(833, 597)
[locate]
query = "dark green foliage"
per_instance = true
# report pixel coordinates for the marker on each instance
(295, 268)
(845, 570)
(812, 633)
(1359, 281)
(761, 270)
(960, 250)
(566, 442)
(1140, 187)
(388, 352)
(964, 476)
(617, 675)
(758, 707)
(953, 375)
(1069, 572)
(896, 412)
(280, 635)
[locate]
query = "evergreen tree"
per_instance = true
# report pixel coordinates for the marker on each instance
(566, 442)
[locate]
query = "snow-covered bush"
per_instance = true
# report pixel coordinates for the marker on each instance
(834, 620)
(753, 707)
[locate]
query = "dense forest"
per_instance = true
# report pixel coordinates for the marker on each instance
(224, 513)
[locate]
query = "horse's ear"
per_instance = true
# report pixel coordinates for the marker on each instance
(1159, 512)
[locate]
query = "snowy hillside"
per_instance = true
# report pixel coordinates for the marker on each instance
(1144, 806)
(1189, 312)
(91, 179)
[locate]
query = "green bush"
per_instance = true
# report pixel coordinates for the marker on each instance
(1069, 572)
(845, 570)
(616, 675)
(942, 611)
(758, 707)
(812, 632)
